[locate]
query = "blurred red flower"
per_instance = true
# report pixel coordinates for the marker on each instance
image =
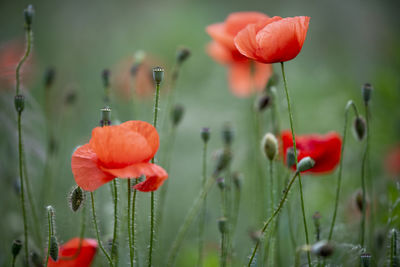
(243, 79)
(392, 161)
(69, 257)
(122, 151)
(324, 149)
(273, 40)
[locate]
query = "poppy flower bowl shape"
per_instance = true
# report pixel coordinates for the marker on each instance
(244, 75)
(274, 40)
(70, 255)
(122, 151)
(323, 149)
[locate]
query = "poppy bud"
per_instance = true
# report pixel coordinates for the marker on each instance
(323, 249)
(359, 128)
(158, 74)
(105, 116)
(227, 134)
(205, 134)
(29, 12)
(16, 247)
(76, 198)
(316, 218)
(237, 180)
(222, 225)
(49, 77)
(177, 114)
(36, 259)
(221, 183)
(290, 159)
(223, 160)
(366, 91)
(182, 55)
(269, 145)
(19, 102)
(305, 164)
(263, 102)
(365, 260)
(53, 252)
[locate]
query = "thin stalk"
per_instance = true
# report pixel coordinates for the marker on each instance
(110, 262)
(13, 261)
(272, 194)
(276, 212)
(223, 250)
(114, 252)
(204, 208)
(133, 223)
(363, 166)
(131, 253)
(50, 233)
(29, 34)
(193, 211)
(296, 160)
(393, 249)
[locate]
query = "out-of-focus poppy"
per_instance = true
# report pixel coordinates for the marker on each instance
(122, 151)
(392, 161)
(72, 255)
(244, 75)
(323, 149)
(274, 40)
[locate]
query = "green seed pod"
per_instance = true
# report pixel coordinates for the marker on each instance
(49, 77)
(221, 183)
(182, 55)
(269, 146)
(365, 260)
(19, 102)
(305, 164)
(177, 114)
(290, 159)
(323, 249)
(76, 198)
(105, 116)
(53, 252)
(29, 12)
(222, 225)
(205, 134)
(227, 134)
(158, 74)
(366, 92)
(16, 247)
(359, 128)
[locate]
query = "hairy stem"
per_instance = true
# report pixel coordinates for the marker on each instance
(114, 251)
(204, 208)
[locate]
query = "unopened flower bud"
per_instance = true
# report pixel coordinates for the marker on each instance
(269, 145)
(182, 54)
(76, 198)
(323, 249)
(305, 164)
(263, 102)
(221, 183)
(222, 225)
(105, 75)
(19, 102)
(49, 77)
(365, 260)
(105, 116)
(53, 252)
(16, 247)
(237, 180)
(29, 12)
(205, 134)
(359, 128)
(36, 259)
(366, 91)
(158, 74)
(290, 159)
(227, 134)
(223, 160)
(177, 114)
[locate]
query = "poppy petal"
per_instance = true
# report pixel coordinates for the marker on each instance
(219, 53)
(236, 21)
(262, 73)
(245, 41)
(218, 33)
(239, 77)
(84, 164)
(68, 251)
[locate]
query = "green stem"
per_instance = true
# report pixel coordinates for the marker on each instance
(13, 261)
(114, 252)
(296, 160)
(272, 197)
(276, 212)
(133, 222)
(393, 249)
(129, 223)
(223, 250)
(29, 34)
(188, 221)
(49, 222)
(363, 166)
(97, 232)
(204, 208)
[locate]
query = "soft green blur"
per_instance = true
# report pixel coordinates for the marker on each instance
(348, 43)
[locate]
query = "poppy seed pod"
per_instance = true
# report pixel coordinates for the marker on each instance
(263, 102)
(323, 249)
(19, 102)
(227, 134)
(76, 198)
(158, 74)
(177, 114)
(222, 225)
(16, 247)
(365, 260)
(290, 158)
(359, 128)
(29, 12)
(305, 164)
(182, 54)
(105, 116)
(205, 134)
(49, 77)
(366, 92)
(53, 252)
(269, 145)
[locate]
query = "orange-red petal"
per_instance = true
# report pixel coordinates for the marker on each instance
(67, 257)
(239, 77)
(236, 21)
(261, 75)
(84, 164)
(218, 33)
(219, 53)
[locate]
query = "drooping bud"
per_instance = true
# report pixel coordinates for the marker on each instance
(16, 247)
(105, 116)
(205, 134)
(359, 128)
(366, 92)
(53, 252)
(227, 134)
(224, 158)
(49, 77)
(323, 249)
(158, 74)
(29, 12)
(269, 145)
(221, 183)
(76, 198)
(182, 54)
(365, 260)
(222, 225)
(105, 75)
(177, 114)
(316, 218)
(19, 102)
(305, 164)
(263, 102)
(290, 159)
(237, 180)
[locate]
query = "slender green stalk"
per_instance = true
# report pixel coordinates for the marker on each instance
(133, 223)
(296, 160)
(29, 35)
(204, 208)
(393, 249)
(193, 211)
(363, 167)
(272, 190)
(346, 117)
(114, 251)
(276, 212)
(131, 255)
(223, 250)
(49, 222)
(13, 261)
(110, 262)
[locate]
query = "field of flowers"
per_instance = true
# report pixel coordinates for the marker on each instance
(176, 134)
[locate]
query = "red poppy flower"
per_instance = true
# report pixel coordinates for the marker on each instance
(323, 149)
(69, 257)
(274, 40)
(243, 78)
(122, 151)
(392, 161)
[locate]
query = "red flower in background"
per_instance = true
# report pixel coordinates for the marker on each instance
(69, 257)
(392, 161)
(274, 40)
(122, 151)
(242, 78)
(323, 149)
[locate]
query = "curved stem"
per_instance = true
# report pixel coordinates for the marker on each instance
(204, 208)
(276, 212)
(114, 252)
(29, 34)
(296, 160)
(97, 232)
(364, 160)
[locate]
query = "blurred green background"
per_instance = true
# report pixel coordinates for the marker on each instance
(348, 43)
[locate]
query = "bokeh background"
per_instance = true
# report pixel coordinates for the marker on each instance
(348, 43)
